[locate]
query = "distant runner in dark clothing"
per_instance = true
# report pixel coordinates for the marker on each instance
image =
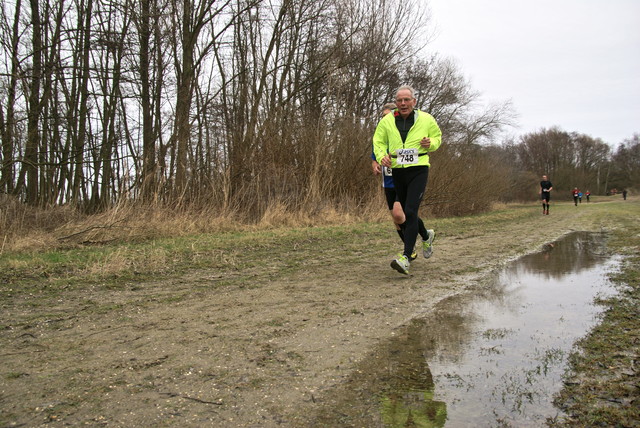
(587, 194)
(545, 194)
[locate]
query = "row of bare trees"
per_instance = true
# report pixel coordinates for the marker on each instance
(625, 165)
(236, 104)
(570, 160)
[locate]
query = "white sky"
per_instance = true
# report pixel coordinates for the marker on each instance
(574, 64)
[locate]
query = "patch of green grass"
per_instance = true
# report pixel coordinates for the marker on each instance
(15, 375)
(276, 322)
(601, 388)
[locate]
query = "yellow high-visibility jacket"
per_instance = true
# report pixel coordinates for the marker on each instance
(387, 139)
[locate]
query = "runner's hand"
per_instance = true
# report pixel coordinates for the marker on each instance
(377, 169)
(386, 161)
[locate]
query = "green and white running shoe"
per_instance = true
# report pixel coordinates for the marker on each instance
(401, 264)
(427, 246)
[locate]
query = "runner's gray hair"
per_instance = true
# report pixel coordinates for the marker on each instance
(409, 88)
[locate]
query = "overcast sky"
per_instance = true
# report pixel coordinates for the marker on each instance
(574, 64)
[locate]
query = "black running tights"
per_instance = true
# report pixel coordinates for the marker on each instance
(410, 184)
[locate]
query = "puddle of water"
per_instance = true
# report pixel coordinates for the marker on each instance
(508, 365)
(492, 358)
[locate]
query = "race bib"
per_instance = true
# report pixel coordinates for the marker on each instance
(387, 172)
(407, 156)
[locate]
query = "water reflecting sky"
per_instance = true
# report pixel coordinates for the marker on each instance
(505, 361)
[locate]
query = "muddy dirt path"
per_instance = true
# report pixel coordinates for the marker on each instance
(238, 348)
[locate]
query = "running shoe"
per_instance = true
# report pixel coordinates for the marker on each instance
(427, 246)
(401, 264)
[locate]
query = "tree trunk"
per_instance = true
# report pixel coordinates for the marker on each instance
(8, 144)
(148, 175)
(30, 163)
(78, 191)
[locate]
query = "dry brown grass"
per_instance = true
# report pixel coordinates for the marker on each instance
(28, 229)
(134, 223)
(121, 261)
(278, 214)
(24, 227)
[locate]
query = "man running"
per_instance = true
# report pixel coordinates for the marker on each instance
(401, 142)
(395, 208)
(545, 194)
(575, 192)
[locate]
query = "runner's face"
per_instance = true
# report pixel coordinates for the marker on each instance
(405, 102)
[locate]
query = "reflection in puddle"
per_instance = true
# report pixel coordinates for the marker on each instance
(491, 358)
(505, 361)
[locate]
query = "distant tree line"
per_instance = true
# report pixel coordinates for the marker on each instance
(571, 160)
(242, 104)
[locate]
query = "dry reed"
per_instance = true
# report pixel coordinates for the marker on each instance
(24, 228)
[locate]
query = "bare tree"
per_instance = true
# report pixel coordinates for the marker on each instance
(9, 120)
(30, 159)
(193, 18)
(626, 164)
(109, 50)
(80, 93)
(145, 24)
